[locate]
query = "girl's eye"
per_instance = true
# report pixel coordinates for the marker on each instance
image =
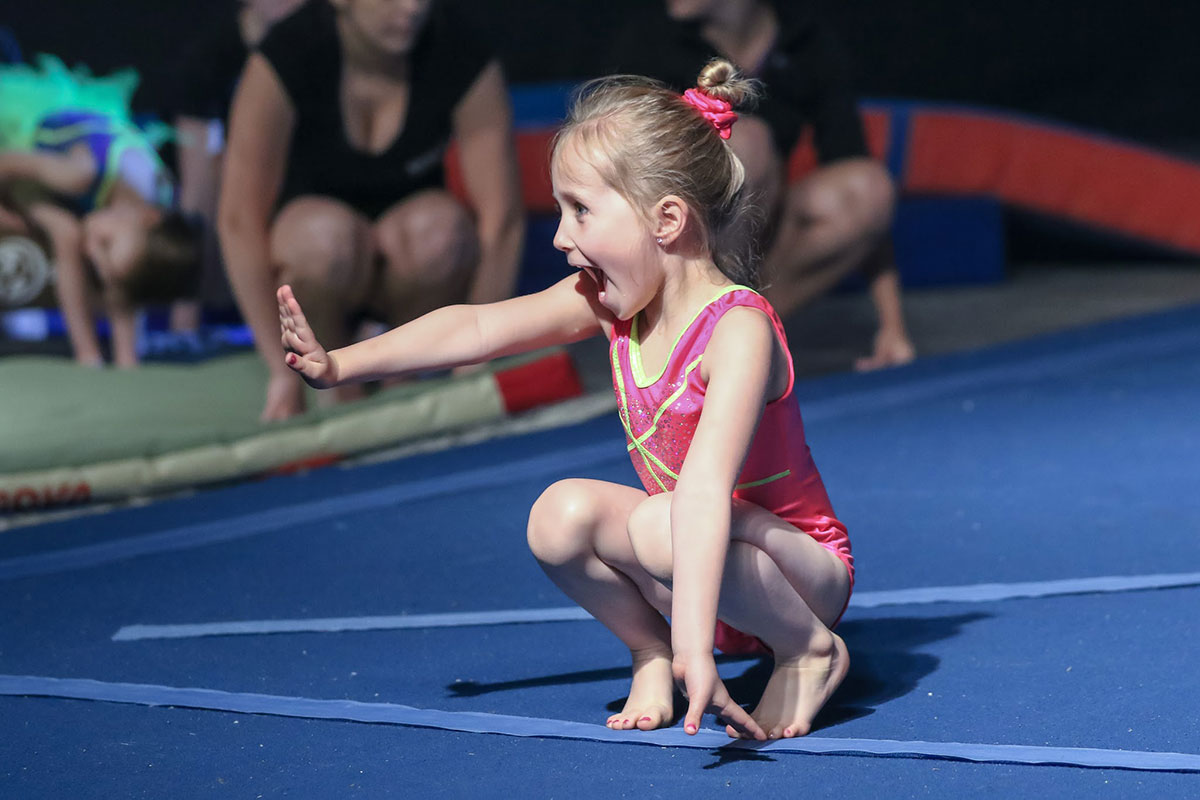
(580, 210)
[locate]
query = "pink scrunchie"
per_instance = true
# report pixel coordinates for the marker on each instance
(717, 111)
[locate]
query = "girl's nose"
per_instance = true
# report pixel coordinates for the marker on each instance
(561, 241)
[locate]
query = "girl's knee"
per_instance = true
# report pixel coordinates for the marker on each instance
(561, 522)
(650, 535)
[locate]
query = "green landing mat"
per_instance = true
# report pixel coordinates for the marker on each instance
(71, 433)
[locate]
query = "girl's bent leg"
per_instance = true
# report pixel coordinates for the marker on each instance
(813, 572)
(786, 589)
(577, 531)
(810, 660)
(779, 585)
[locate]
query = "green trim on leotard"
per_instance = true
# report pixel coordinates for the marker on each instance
(635, 347)
(623, 414)
(638, 442)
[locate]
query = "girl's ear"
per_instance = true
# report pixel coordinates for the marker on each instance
(670, 218)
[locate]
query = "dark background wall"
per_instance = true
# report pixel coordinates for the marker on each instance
(1129, 68)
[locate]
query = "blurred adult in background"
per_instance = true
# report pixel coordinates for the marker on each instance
(209, 69)
(333, 178)
(837, 219)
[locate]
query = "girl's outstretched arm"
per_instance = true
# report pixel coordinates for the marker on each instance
(741, 373)
(446, 337)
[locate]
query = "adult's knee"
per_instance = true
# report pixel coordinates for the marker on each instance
(856, 195)
(561, 523)
(871, 191)
(430, 239)
(650, 535)
(317, 242)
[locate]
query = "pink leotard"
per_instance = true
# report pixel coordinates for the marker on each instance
(660, 415)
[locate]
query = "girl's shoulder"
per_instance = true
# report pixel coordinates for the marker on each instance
(739, 303)
(738, 295)
(741, 327)
(747, 328)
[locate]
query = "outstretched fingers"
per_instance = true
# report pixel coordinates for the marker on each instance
(302, 352)
(295, 330)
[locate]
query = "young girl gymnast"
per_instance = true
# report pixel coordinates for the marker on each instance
(732, 531)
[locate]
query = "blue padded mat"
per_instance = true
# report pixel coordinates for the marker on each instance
(1073, 456)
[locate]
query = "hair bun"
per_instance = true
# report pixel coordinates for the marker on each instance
(721, 79)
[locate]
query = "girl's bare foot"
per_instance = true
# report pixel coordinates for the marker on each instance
(798, 688)
(651, 702)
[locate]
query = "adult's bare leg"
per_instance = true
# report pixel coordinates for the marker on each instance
(429, 249)
(322, 247)
(829, 224)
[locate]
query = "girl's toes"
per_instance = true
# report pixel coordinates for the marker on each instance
(796, 729)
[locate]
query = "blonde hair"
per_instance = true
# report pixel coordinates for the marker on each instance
(647, 142)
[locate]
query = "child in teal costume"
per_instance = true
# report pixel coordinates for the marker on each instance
(77, 172)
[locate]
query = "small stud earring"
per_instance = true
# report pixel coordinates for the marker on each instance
(658, 239)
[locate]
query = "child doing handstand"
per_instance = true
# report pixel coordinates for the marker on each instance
(733, 523)
(79, 174)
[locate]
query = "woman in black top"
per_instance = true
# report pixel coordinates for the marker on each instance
(837, 219)
(208, 69)
(333, 178)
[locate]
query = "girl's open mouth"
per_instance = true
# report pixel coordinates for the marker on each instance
(598, 277)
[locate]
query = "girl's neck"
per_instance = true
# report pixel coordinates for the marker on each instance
(688, 286)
